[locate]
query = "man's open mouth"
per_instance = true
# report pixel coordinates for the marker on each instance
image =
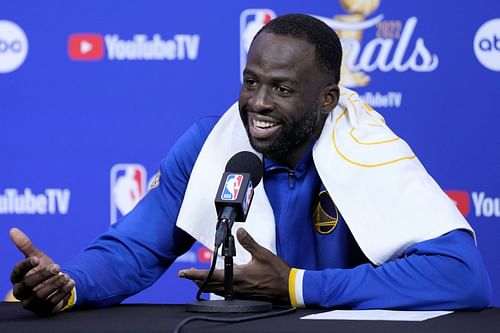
(263, 124)
(262, 129)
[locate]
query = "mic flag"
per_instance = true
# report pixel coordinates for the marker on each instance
(234, 196)
(243, 173)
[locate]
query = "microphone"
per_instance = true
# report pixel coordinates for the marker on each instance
(232, 201)
(242, 174)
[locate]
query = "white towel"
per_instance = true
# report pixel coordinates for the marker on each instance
(381, 189)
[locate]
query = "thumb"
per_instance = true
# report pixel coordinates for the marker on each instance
(249, 243)
(23, 243)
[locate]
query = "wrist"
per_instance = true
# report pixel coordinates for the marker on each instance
(295, 287)
(71, 300)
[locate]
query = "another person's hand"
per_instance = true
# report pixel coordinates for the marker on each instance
(37, 281)
(265, 277)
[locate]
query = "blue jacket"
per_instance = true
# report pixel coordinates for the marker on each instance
(442, 273)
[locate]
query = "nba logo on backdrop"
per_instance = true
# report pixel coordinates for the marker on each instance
(251, 20)
(232, 187)
(127, 187)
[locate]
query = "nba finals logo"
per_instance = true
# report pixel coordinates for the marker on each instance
(232, 187)
(390, 50)
(393, 48)
(251, 21)
(127, 187)
(351, 34)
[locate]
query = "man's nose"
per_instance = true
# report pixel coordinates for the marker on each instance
(262, 100)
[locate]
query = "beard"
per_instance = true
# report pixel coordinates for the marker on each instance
(291, 136)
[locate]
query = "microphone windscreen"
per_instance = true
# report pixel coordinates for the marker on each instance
(246, 162)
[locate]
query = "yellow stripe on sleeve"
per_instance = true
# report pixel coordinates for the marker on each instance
(295, 282)
(291, 286)
(71, 300)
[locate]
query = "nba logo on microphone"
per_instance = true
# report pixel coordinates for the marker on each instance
(127, 187)
(248, 198)
(232, 187)
(251, 20)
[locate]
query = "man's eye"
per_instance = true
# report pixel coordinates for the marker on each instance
(282, 90)
(250, 82)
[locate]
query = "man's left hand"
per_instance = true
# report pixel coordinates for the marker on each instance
(265, 277)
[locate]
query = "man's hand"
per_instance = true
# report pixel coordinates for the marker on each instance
(264, 277)
(37, 281)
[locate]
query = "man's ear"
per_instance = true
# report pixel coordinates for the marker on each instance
(330, 98)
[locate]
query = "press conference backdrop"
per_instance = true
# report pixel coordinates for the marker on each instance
(94, 93)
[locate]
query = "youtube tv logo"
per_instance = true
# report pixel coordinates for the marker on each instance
(461, 199)
(476, 203)
(86, 47)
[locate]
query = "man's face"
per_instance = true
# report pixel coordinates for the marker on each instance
(280, 97)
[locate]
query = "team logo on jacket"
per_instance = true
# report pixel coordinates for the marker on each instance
(155, 181)
(325, 215)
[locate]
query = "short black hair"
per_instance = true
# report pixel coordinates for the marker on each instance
(314, 31)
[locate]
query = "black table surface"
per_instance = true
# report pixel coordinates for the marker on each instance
(164, 318)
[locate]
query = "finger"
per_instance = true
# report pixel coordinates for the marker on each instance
(193, 274)
(24, 288)
(22, 268)
(50, 305)
(23, 243)
(21, 292)
(33, 280)
(249, 243)
(201, 274)
(57, 298)
(51, 285)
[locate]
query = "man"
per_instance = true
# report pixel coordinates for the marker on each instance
(353, 218)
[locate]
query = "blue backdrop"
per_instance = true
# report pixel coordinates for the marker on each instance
(94, 93)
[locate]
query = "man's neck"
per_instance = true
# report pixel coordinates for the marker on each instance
(291, 161)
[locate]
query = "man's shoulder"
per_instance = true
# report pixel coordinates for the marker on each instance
(184, 152)
(204, 125)
(198, 131)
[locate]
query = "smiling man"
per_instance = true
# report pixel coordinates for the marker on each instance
(346, 216)
(283, 87)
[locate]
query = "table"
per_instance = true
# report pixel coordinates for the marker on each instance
(164, 318)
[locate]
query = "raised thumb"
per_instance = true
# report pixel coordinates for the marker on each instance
(248, 242)
(23, 243)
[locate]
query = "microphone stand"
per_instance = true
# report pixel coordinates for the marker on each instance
(228, 251)
(229, 304)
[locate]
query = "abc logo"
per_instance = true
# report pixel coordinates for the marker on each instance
(13, 46)
(487, 44)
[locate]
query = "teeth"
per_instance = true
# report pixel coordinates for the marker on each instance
(263, 124)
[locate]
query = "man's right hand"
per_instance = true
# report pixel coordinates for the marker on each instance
(37, 281)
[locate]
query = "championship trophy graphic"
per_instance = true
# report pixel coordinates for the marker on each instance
(358, 11)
